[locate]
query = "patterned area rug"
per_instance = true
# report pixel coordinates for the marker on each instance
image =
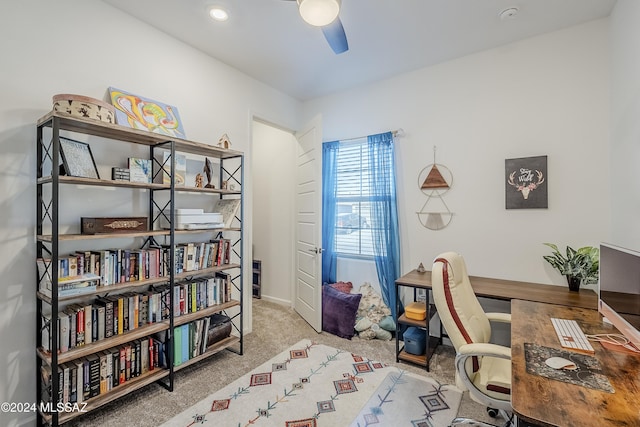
(312, 385)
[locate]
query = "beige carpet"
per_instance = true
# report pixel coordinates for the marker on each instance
(275, 328)
(312, 384)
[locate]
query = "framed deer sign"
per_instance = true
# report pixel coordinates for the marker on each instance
(526, 183)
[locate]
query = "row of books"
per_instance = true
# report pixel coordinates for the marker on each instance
(84, 270)
(108, 266)
(201, 293)
(193, 339)
(101, 372)
(86, 322)
(83, 323)
(198, 256)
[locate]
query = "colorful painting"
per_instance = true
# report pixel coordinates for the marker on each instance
(526, 183)
(143, 113)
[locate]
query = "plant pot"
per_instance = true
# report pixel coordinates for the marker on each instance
(574, 283)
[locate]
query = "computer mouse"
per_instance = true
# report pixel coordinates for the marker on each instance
(561, 363)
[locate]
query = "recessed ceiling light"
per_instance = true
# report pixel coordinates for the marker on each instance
(218, 13)
(509, 13)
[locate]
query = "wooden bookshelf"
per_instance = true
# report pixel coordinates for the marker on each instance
(163, 200)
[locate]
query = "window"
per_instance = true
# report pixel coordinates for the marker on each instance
(353, 208)
(359, 215)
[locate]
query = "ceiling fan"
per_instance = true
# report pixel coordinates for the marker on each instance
(324, 14)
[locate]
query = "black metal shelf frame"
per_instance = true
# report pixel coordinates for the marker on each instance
(47, 216)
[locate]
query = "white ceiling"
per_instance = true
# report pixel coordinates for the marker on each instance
(268, 40)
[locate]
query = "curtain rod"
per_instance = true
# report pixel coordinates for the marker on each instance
(396, 133)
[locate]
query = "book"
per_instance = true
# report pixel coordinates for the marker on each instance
(88, 325)
(144, 355)
(66, 381)
(225, 286)
(115, 369)
(109, 357)
(101, 314)
(103, 372)
(72, 327)
(64, 337)
(94, 375)
(86, 378)
(140, 170)
(77, 312)
(108, 309)
(73, 382)
(123, 365)
(127, 371)
(184, 351)
(79, 380)
(177, 346)
(228, 208)
(135, 358)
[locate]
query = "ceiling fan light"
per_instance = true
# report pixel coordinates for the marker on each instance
(319, 12)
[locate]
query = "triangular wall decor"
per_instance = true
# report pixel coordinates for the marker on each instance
(434, 180)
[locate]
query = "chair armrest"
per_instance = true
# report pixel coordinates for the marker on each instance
(499, 317)
(483, 349)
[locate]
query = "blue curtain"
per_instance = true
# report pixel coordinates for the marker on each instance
(384, 215)
(329, 192)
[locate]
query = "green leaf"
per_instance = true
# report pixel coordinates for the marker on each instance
(582, 263)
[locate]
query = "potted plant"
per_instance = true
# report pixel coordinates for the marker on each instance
(578, 266)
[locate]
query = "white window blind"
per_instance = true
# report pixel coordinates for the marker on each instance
(353, 210)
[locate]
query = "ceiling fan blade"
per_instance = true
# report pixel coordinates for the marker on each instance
(337, 39)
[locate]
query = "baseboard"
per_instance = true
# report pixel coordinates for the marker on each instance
(279, 301)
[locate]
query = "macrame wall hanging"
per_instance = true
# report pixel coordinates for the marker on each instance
(435, 214)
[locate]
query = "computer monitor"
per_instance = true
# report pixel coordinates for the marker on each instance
(619, 290)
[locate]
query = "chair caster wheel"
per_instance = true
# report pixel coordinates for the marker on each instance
(493, 413)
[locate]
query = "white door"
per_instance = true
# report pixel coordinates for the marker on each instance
(308, 221)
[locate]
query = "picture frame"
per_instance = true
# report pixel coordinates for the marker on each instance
(77, 159)
(526, 181)
(140, 170)
(159, 118)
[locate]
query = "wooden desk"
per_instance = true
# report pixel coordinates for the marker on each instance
(545, 402)
(507, 290)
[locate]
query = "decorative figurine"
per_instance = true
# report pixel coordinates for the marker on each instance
(421, 268)
(208, 170)
(224, 141)
(199, 179)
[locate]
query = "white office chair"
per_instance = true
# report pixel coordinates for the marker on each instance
(482, 368)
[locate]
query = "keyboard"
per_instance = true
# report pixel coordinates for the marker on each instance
(571, 336)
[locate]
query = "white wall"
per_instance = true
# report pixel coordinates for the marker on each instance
(625, 124)
(75, 46)
(273, 177)
(547, 95)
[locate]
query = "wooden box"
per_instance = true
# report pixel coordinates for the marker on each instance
(93, 225)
